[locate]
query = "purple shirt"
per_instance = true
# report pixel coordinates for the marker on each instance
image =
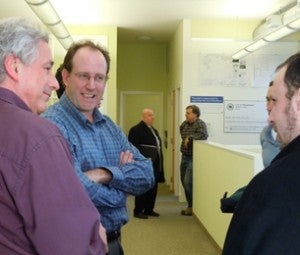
(44, 209)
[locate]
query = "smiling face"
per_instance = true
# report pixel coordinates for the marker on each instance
(36, 80)
(85, 84)
(285, 113)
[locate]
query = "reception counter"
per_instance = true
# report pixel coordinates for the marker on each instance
(219, 168)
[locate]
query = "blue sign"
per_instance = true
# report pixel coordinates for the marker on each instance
(207, 99)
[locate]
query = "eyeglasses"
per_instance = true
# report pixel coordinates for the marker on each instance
(85, 77)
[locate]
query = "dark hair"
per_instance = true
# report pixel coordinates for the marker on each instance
(292, 74)
(68, 60)
(195, 109)
(59, 78)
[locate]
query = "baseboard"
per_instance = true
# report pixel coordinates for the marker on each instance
(208, 234)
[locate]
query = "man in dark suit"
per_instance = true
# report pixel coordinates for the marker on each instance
(146, 138)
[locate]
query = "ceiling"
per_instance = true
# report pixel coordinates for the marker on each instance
(157, 19)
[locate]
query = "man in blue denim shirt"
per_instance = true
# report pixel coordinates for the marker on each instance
(108, 165)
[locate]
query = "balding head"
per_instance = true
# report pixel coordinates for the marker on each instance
(148, 116)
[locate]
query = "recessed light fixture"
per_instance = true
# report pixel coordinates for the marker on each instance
(144, 38)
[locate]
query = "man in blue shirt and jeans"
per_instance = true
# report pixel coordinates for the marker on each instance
(108, 165)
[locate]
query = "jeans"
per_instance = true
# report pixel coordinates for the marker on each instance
(186, 177)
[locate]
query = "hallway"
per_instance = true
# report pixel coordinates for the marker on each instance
(169, 234)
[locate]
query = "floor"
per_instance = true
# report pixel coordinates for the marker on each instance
(169, 234)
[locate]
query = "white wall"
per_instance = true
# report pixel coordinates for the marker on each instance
(193, 85)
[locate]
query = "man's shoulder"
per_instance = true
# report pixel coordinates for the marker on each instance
(138, 126)
(200, 121)
(26, 120)
(29, 127)
(55, 112)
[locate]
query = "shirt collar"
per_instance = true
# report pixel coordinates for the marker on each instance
(10, 97)
(72, 109)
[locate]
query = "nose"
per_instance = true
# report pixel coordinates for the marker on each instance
(54, 83)
(270, 117)
(91, 83)
(269, 106)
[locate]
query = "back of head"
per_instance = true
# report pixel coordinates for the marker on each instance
(292, 74)
(19, 37)
(59, 78)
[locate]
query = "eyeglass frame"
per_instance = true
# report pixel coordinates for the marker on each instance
(85, 77)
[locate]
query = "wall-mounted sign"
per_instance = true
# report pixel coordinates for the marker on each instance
(244, 116)
(208, 104)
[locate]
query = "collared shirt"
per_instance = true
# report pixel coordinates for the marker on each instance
(41, 200)
(98, 145)
(270, 146)
(195, 130)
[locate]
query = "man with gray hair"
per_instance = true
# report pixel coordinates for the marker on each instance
(44, 208)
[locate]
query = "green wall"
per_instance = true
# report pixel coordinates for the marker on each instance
(142, 67)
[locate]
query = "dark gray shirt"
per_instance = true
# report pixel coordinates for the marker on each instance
(196, 130)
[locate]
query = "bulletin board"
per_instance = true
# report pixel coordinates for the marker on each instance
(241, 116)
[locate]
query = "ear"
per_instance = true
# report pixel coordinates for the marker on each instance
(65, 76)
(11, 64)
(297, 97)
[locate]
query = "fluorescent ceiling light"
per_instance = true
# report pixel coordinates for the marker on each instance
(256, 45)
(281, 32)
(290, 21)
(240, 54)
(47, 14)
(294, 24)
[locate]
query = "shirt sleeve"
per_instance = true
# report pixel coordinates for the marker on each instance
(200, 131)
(59, 217)
(132, 178)
(100, 194)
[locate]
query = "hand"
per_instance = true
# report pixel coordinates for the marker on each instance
(99, 175)
(103, 237)
(126, 157)
(186, 142)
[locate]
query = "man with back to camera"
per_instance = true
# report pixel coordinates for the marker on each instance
(193, 128)
(44, 208)
(266, 220)
(146, 138)
(107, 164)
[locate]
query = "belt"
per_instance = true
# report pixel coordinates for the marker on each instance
(112, 236)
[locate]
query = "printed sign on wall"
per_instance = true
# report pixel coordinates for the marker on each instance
(244, 116)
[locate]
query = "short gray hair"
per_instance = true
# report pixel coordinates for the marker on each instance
(18, 36)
